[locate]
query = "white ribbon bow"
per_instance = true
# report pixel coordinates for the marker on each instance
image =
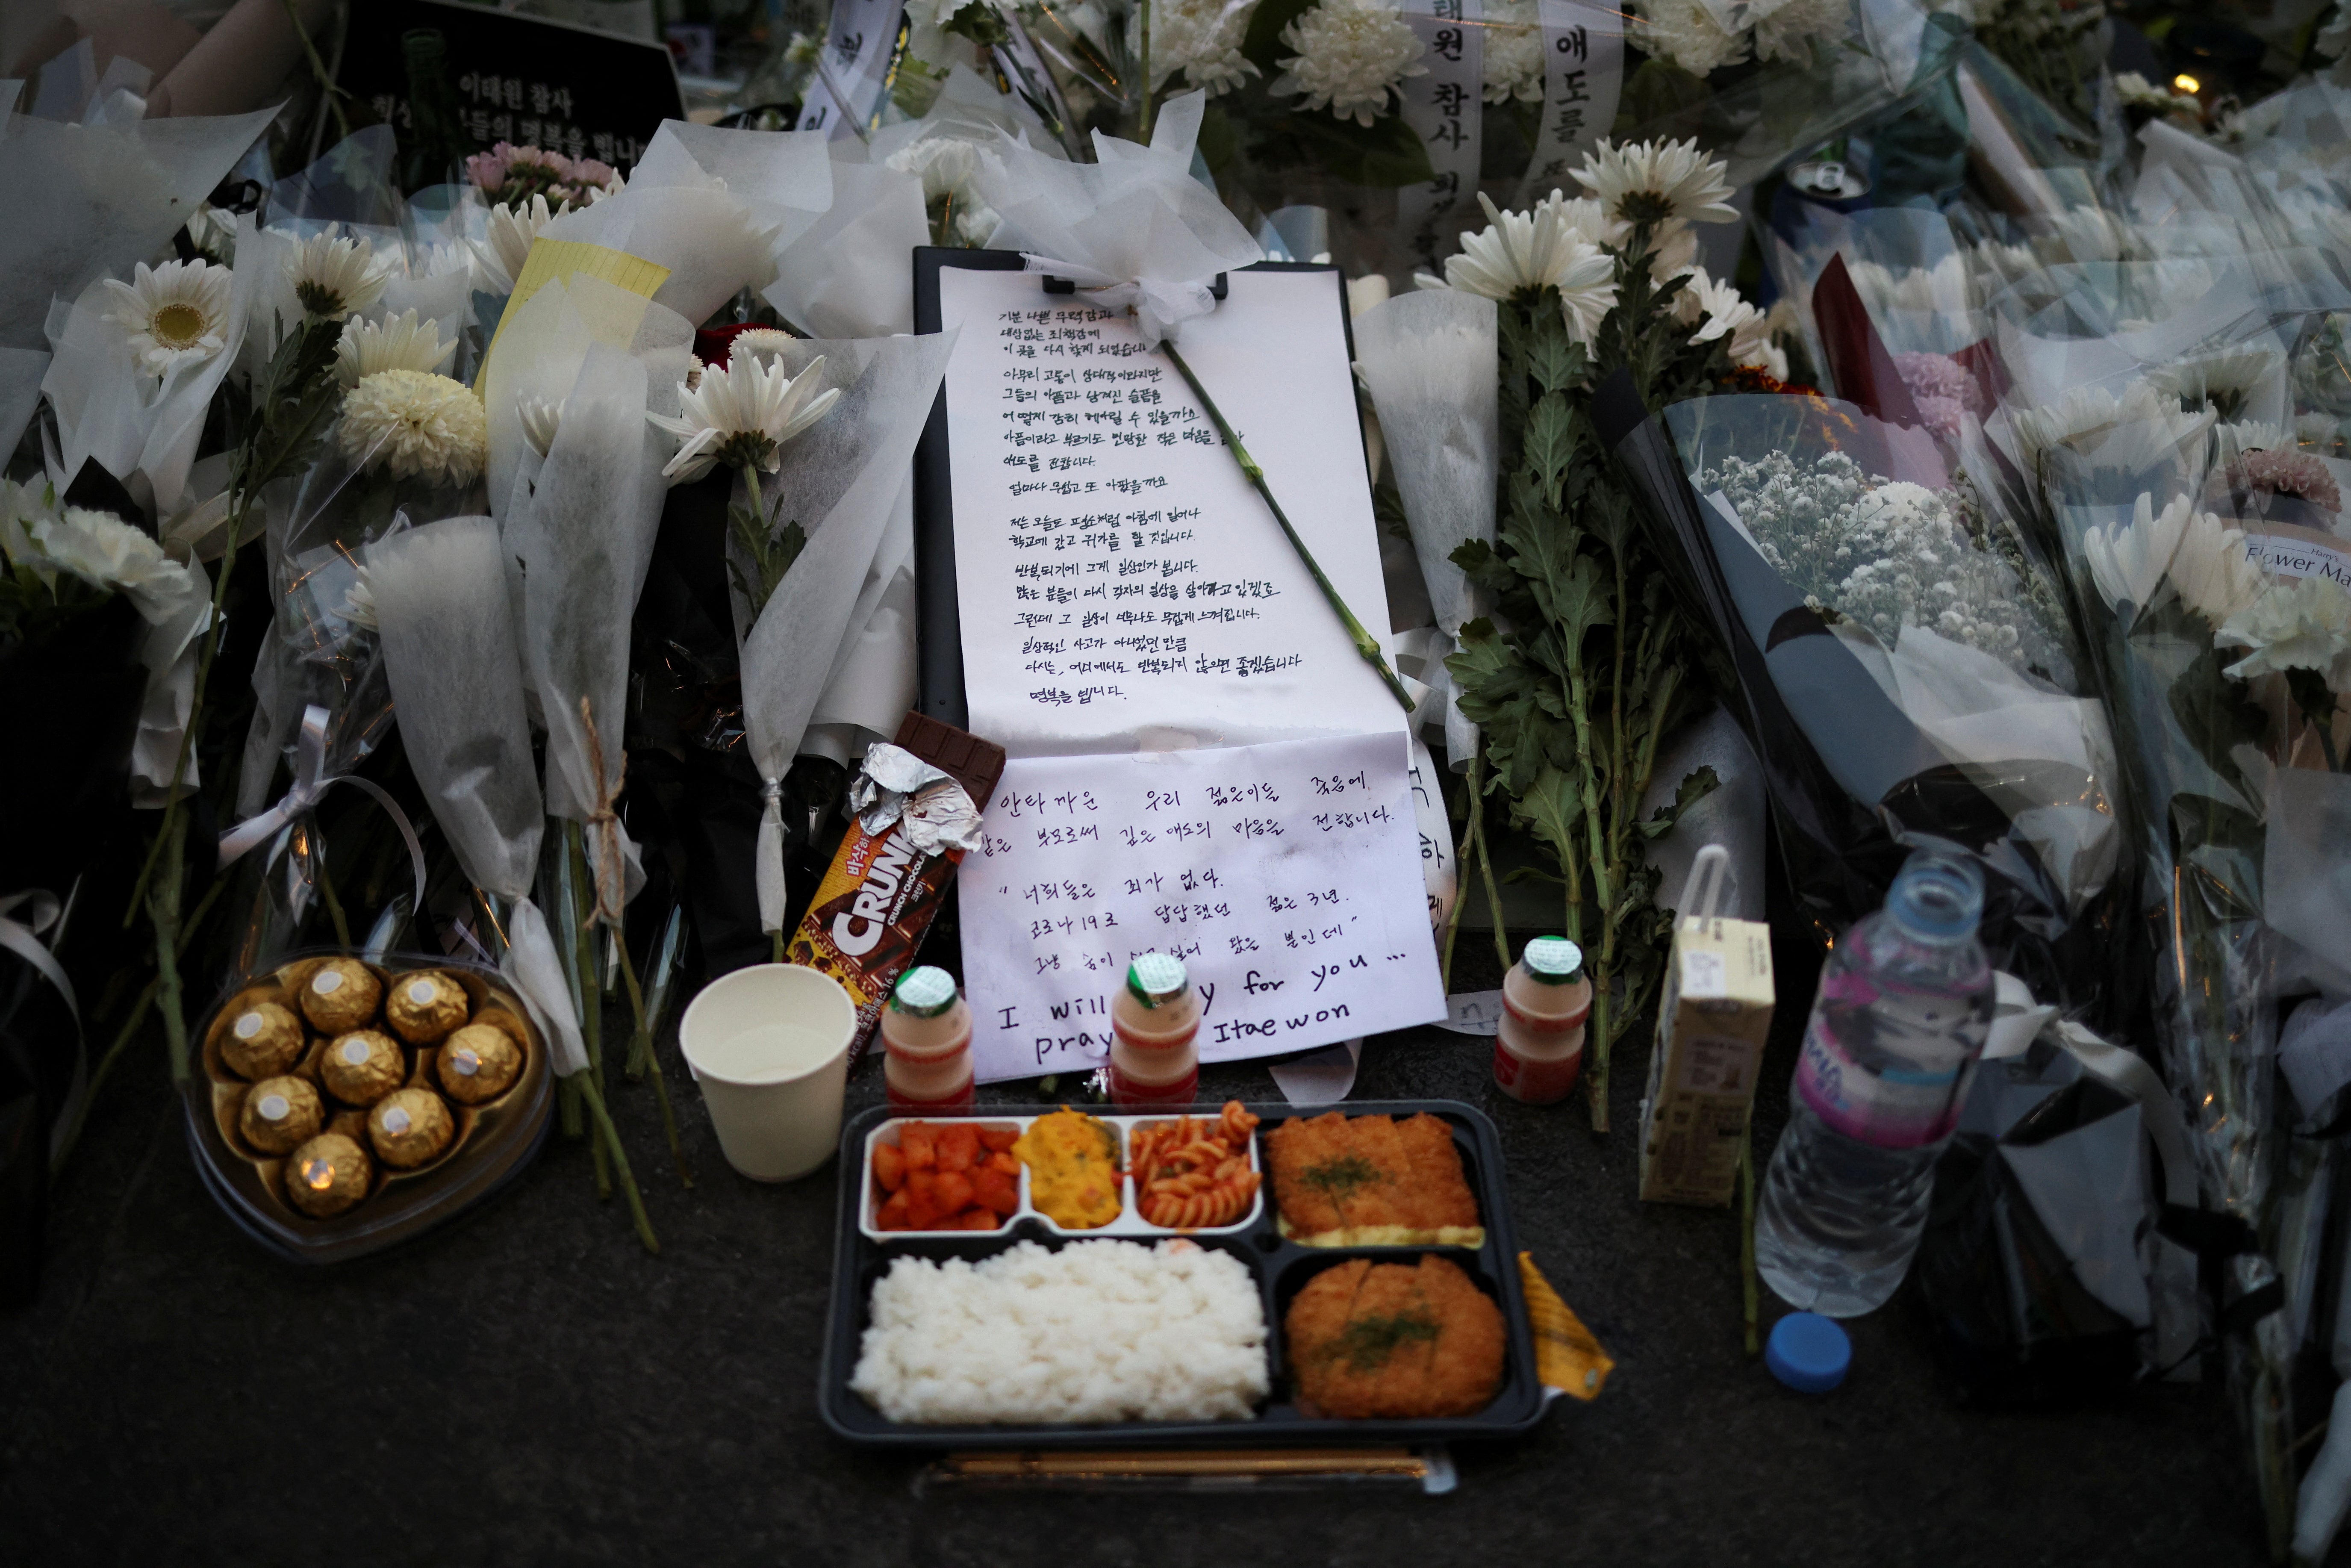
(23, 938)
(1159, 305)
(311, 782)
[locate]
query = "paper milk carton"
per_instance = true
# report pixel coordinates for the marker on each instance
(1712, 1025)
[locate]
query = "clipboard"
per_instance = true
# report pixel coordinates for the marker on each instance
(938, 615)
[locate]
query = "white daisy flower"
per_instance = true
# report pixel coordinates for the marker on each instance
(359, 601)
(335, 275)
(1202, 38)
(1513, 57)
(2228, 382)
(173, 312)
(2303, 624)
(2204, 559)
(1351, 56)
(418, 425)
(401, 342)
(213, 230)
(742, 414)
(1656, 182)
(508, 244)
(1520, 253)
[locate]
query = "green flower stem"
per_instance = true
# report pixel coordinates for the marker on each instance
(644, 1059)
(586, 997)
(1365, 644)
(610, 1137)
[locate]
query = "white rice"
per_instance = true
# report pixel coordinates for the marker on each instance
(1098, 1331)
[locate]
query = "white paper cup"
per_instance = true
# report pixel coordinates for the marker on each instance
(770, 1046)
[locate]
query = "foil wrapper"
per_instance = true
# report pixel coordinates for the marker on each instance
(362, 1067)
(424, 1006)
(326, 1176)
(892, 783)
(339, 995)
(280, 1114)
(409, 1128)
(262, 1040)
(478, 1062)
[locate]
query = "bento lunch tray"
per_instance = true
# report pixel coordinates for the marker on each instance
(863, 1253)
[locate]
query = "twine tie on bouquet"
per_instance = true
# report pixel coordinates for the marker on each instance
(311, 782)
(604, 826)
(23, 938)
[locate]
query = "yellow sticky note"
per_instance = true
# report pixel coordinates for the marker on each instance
(562, 259)
(1566, 1356)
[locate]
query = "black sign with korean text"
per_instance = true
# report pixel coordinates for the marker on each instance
(522, 79)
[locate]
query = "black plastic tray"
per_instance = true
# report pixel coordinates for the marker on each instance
(1281, 1267)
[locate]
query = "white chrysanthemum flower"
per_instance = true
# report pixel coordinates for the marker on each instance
(335, 275)
(401, 342)
(2303, 624)
(1513, 53)
(173, 312)
(742, 414)
(1351, 56)
(416, 424)
(1782, 35)
(758, 344)
(1768, 357)
(2142, 427)
(950, 168)
(507, 244)
(2204, 559)
(1719, 310)
(1520, 252)
(2135, 91)
(541, 418)
(1685, 32)
(1202, 38)
(2227, 382)
(1660, 184)
(106, 553)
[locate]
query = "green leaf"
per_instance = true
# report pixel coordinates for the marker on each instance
(1556, 362)
(1550, 442)
(1694, 788)
(1552, 808)
(2216, 714)
(980, 23)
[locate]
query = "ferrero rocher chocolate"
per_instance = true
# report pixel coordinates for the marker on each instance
(261, 1040)
(280, 1114)
(422, 1007)
(326, 1176)
(362, 1067)
(341, 995)
(478, 1062)
(409, 1128)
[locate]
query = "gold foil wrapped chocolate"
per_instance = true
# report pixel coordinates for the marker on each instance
(424, 1006)
(280, 1114)
(409, 1128)
(478, 1062)
(362, 1067)
(326, 1176)
(339, 995)
(262, 1040)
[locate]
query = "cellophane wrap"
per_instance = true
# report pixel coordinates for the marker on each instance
(714, 206)
(455, 672)
(840, 481)
(1430, 360)
(86, 201)
(1135, 225)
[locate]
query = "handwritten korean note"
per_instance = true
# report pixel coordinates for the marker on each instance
(1117, 577)
(1286, 876)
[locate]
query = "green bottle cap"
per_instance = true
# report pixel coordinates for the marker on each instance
(1554, 960)
(925, 991)
(1156, 978)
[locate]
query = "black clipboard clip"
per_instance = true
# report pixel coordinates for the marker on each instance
(1069, 286)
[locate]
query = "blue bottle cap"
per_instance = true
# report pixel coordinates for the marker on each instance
(1808, 1353)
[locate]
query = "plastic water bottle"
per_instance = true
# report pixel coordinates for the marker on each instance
(1905, 1005)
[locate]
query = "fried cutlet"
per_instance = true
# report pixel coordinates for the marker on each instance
(1370, 1180)
(1394, 1340)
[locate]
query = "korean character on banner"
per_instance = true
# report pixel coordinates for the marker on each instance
(563, 101)
(1449, 134)
(514, 93)
(1450, 97)
(477, 122)
(465, 84)
(575, 142)
(539, 98)
(1447, 183)
(530, 131)
(1446, 44)
(848, 46)
(1574, 42)
(502, 128)
(604, 148)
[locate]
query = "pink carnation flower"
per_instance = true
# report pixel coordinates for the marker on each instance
(1942, 377)
(2292, 473)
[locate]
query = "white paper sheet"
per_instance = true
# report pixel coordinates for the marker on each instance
(1118, 579)
(1286, 876)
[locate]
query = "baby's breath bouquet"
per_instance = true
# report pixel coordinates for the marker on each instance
(1587, 663)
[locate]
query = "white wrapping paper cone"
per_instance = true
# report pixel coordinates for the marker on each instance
(1430, 360)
